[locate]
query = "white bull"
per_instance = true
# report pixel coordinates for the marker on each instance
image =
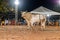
(33, 18)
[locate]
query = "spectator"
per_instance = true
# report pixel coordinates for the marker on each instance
(6, 22)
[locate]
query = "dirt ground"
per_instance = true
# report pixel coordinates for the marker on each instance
(22, 33)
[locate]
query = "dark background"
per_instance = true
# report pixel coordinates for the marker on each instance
(30, 5)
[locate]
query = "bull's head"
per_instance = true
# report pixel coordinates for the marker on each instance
(23, 13)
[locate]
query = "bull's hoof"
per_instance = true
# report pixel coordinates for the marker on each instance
(42, 29)
(28, 28)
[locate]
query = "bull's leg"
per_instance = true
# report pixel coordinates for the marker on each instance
(32, 24)
(43, 25)
(28, 24)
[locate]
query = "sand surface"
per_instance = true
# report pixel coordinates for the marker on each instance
(21, 33)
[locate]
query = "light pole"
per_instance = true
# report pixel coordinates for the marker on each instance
(16, 11)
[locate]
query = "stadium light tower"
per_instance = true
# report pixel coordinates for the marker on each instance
(16, 11)
(58, 2)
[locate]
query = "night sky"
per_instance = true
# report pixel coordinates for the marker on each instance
(37, 3)
(30, 5)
